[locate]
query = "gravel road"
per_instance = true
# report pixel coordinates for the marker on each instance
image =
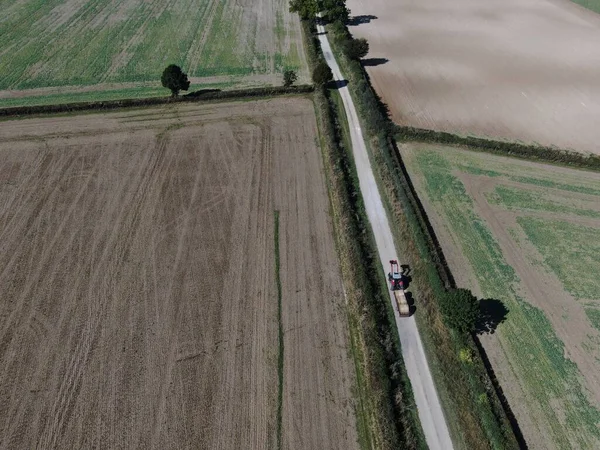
(428, 404)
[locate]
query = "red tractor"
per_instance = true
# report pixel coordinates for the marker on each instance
(395, 276)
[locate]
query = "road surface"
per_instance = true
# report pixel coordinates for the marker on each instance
(428, 404)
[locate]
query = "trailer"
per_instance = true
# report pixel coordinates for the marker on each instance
(397, 287)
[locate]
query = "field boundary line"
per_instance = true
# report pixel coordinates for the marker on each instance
(202, 95)
(280, 355)
(530, 152)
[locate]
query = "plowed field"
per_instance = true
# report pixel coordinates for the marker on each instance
(511, 69)
(139, 305)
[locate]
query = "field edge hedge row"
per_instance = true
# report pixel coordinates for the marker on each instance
(536, 153)
(202, 95)
(476, 415)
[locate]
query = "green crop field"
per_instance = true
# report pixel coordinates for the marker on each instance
(528, 235)
(46, 44)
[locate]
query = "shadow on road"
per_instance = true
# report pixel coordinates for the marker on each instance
(359, 20)
(337, 84)
(369, 62)
(492, 313)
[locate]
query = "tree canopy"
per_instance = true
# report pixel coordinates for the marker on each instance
(322, 73)
(174, 79)
(289, 78)
(356, 48)
(335, 10)
(306, 9)
(460, 309)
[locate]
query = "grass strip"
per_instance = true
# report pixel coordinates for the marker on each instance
(280, 336)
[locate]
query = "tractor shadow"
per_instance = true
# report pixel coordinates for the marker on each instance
(359, 20)
(406, 278)
(492, 313)
(410, 300)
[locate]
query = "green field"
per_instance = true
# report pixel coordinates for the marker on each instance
(127, 44)
(503, 220)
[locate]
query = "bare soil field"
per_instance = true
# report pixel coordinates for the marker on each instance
(138, 283)
(77, 45)
(526, 234)
(519, 70)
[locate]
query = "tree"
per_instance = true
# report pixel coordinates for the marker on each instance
(289, 78)
(335, 10)
(460, 309)
(306, 9)
(356, 48)
(322, 73)
(173, 78)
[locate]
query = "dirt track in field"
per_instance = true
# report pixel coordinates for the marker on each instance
(518, 69)
(138, 304)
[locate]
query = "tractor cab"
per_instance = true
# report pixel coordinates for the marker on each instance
(395, 276)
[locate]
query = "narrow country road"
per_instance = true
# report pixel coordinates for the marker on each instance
(428, 404)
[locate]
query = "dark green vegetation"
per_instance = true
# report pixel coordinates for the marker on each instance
(306, 9)
(356, 48)
(475, 412)
(280, 355)
(174, 79)
(322, 73)
(546, 230)
(289, 78)
(385, 410)
(461, 310)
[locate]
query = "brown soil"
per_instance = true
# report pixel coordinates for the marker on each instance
(138, 302)
(516, 69)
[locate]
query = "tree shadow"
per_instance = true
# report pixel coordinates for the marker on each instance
(337, 84)
(492, 313)
(359, 20)
(200, 92)
(370, 62)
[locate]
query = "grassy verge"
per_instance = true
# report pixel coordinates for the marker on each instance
(385, 411)
(279, 334)
(472, 402)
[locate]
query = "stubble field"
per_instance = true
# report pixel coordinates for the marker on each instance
(526, 234)
(518, 70)
(59, 50)
(142, 253)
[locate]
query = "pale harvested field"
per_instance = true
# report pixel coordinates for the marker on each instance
(123, 46)
(526, 234)
(138, 298)
(512, 69)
